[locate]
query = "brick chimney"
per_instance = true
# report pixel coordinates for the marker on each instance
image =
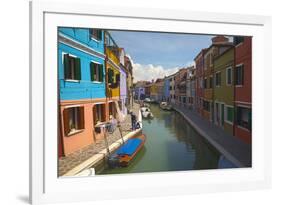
(220, 40)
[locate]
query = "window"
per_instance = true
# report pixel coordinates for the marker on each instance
(218, 79)
(206, 105)
(229, 76)
(96, 34)
(72, 67)
(110, 75)
(229, 114)
(205, 83)
(99, 113)
(239, 75)
(211, 82)
(73, 119)
(238, 39)
(244, 117)
(112, 110)
(184, 100)
(96, 72)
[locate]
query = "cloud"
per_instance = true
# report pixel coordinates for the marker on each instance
(149, 72)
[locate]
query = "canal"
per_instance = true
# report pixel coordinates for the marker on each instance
(171, 145)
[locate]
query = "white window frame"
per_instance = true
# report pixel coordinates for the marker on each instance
(94, 81)
(216, 79)
(231, 76)
(241, 64)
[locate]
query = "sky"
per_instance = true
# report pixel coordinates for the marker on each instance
(155, 55)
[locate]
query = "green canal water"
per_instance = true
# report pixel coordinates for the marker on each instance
(171, 145)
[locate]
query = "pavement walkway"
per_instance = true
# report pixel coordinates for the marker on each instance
(68, 162)
(234, 149)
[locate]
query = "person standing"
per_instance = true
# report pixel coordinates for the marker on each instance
(133, 120)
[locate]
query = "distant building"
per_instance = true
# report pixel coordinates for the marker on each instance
(129, 81)
(180, 87)
(172, 88)
(123, 102)
(199, 94)
(190, 87)
(166, 89)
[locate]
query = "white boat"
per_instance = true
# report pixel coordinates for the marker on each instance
(146, 114)
(147, 100)
(165, 106)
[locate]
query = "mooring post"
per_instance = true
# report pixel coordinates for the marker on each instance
(105, 139)
(120, 130)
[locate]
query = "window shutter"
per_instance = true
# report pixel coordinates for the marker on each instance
(66, 65)
(242, 75)
(95, 114)
(77, 69)
(100, 73)
(66, 121)
(103, 112)
(110, 76)
(92, 71)
(250, 119)
(99, 34)
(81, 118)
(117, 78)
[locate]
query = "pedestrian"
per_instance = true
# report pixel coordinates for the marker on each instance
(133, 120)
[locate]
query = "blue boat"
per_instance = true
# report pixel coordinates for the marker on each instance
(125, 154)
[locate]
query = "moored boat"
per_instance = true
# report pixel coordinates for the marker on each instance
(165, 106)
(126, 153)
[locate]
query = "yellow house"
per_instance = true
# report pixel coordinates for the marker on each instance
(113, 69)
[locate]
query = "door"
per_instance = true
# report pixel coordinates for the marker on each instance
(222, 115)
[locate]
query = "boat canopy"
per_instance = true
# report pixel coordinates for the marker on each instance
(129, 147)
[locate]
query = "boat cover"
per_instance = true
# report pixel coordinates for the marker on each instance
(129, 147)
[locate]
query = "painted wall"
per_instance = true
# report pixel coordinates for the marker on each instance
(224, 93)
(167, 89)
(85, 88)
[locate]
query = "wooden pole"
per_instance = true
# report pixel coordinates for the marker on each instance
(120, 130)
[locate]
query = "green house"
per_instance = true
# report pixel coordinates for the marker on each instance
(223, 96)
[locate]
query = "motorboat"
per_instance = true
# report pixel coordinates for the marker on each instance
(126, 153)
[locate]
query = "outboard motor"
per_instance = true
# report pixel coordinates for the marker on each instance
(113, 161)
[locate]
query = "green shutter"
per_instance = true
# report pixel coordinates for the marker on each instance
(66, 65)
(99, 34)
(229, 114)
(92, 70)
(100, 72)
(110, 76)
(242, 75)
(77, 73)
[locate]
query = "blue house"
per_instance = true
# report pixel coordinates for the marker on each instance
(82, 87)
(167, 89)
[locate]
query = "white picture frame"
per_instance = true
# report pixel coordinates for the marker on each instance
(46, 187)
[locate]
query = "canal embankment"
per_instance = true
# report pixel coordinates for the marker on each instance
(234, 149)
(97, 153)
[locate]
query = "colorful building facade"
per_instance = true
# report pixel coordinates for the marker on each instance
(243, 88)
(224, 90)
(166, 89)
(219, 45)
(199, 66)
(82, 87)
(180, 87)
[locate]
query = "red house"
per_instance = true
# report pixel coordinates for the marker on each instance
(243, 88)
(199, 89)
